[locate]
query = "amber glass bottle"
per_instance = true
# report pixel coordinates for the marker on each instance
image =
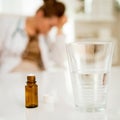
(31, 92)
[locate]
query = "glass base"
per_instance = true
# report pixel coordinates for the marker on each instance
(90, 108)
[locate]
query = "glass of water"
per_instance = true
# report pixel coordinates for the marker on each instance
(90, 64)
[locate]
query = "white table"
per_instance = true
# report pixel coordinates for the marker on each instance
(59, 104)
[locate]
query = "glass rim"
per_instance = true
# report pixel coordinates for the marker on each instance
(83, 42)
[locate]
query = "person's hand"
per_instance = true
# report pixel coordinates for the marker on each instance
(62, 20)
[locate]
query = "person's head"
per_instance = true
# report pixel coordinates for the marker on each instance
(48, 15)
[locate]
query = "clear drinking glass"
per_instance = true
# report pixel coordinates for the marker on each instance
(90, 64)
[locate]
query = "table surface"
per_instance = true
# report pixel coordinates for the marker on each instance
(55, 98)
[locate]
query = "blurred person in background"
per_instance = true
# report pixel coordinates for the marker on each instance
(25, 45)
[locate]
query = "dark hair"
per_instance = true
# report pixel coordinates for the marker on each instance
(49, 1)
(52, 8)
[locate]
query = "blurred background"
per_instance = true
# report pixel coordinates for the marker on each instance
(86, 19)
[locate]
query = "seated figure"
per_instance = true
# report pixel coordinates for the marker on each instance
(24, 42)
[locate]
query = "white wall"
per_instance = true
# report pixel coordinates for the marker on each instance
(0, 5)
(29, 7)
(103, 7)
(21, 7)
(11, 6)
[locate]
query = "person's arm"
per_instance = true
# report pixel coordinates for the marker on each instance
(53, 46)
(61, 22)
(57, 49)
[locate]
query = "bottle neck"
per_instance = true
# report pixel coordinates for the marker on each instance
(29, 82)
(31, 79)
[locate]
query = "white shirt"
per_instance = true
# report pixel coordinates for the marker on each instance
(13, 41)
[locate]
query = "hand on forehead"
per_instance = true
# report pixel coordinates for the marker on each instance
(61, 21)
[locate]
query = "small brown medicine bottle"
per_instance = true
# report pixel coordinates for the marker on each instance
(31, 92)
